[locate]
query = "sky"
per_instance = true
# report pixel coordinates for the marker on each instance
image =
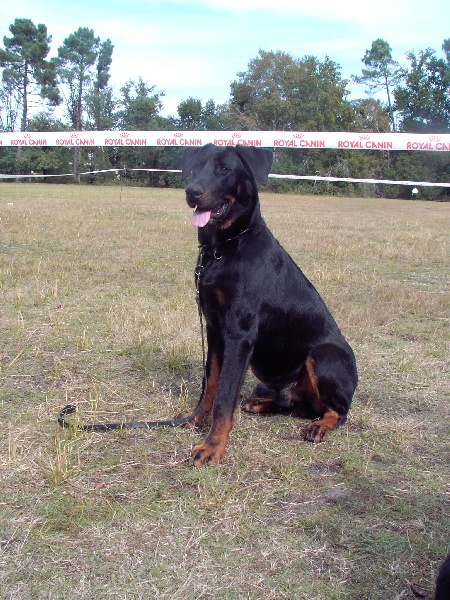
(196, 48)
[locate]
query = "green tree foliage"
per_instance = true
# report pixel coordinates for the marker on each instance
(83, 69)
(280, 92)
(139, 105)
(216, 117)
(423, 105)
(26, 71)
(382, 73)
(100, 103)
(51, 159)
(370, 115)
(76, 60)
(9, 106)
(99, 100)
(423, 101)
(190, 113)
(139, 109)
(194, 116)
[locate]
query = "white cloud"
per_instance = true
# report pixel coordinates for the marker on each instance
(328, 10)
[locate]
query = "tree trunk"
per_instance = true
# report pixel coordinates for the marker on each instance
(391, 112)
(23, 124)
(75, 166)
(77, 150)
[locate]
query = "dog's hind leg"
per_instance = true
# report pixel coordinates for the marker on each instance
(330, 380)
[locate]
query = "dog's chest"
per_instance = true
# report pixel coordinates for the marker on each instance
(217, 282)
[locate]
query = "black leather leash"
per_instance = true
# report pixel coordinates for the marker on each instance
(70, 409)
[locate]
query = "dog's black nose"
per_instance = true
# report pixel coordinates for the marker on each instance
(194, 191)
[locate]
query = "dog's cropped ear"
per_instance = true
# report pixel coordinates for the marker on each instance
(192, 156)
(259, 160)
(188, 160)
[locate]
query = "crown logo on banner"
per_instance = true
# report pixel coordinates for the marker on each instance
(236, 135)
(178, 134)
(299, 136)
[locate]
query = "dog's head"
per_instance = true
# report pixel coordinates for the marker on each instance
(223, 187)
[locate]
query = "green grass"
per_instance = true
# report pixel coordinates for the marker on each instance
(98, 308)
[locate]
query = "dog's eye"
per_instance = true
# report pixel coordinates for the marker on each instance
(223, 169)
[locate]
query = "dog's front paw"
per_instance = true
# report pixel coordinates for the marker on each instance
(206, 454)
(316, 432)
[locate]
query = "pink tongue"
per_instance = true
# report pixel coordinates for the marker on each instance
(200, 217)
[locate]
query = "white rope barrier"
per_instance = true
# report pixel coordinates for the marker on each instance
(117, 171)
(352, 180)
(273, 175)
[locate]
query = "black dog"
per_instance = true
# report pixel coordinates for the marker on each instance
(259, 307)
(443, 581)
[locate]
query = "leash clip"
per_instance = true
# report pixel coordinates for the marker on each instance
(198, 270)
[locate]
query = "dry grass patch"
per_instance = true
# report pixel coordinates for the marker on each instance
(98, 308)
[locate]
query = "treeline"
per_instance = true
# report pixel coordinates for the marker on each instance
(277, 92)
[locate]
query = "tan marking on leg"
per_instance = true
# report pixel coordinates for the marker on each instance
(318, 431)
(209, 395)
(213, 448)
(212, 383)
(311, 380)
(310, 390)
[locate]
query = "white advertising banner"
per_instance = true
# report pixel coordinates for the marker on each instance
(262, 139)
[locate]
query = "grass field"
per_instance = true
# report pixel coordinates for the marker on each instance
(98, 308)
